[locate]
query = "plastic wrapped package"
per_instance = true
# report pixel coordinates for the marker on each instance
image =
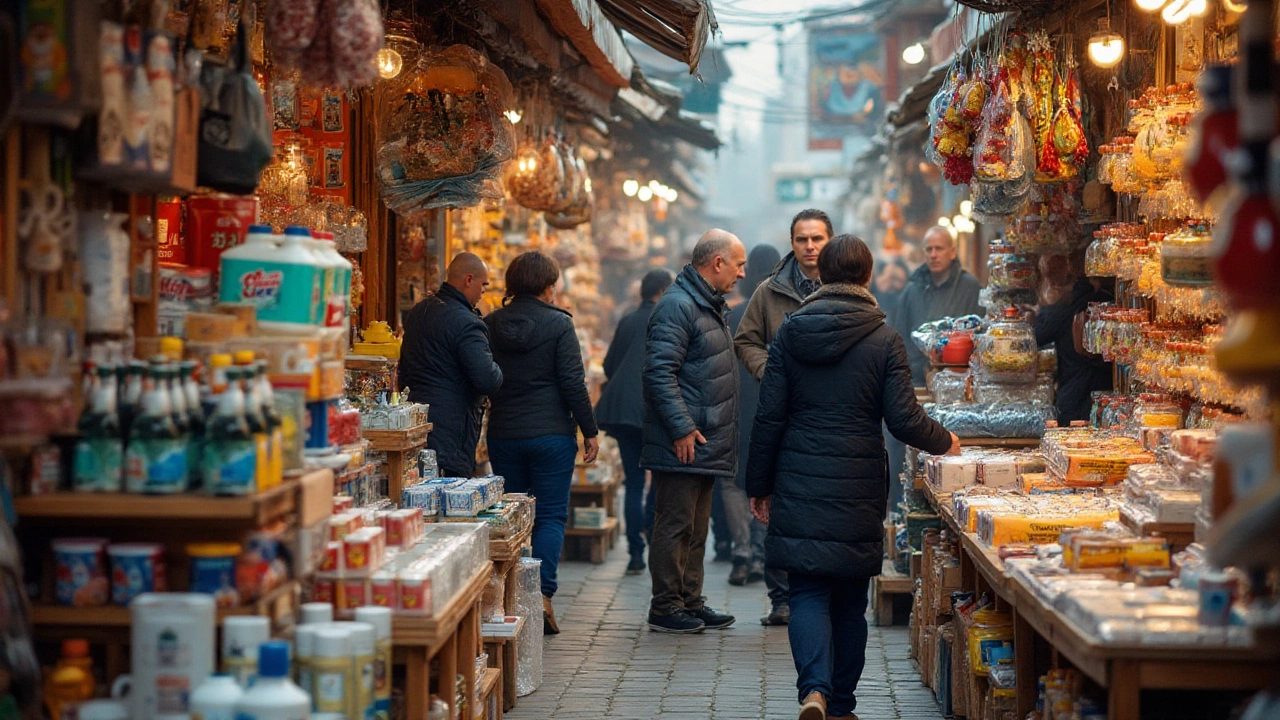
(932, 337)
(442, 135)
(529, 641)
(937, 112)
(1039, 392)
(493, 603)
(950, 386)
(1015, 420)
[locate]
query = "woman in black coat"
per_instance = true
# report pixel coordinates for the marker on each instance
(818, 473)
(535, 417)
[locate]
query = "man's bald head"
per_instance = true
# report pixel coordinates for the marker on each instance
(720, 258)
(468, 275)
(939, 251)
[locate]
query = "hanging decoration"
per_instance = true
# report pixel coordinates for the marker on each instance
(333, 43)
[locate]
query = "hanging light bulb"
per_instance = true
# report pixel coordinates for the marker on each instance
(1180, 11)
(1235, 6)
(913, 54)
(645, 194)
(673, 196)
(389, 63)
(630, 187)
(966, 207)
(513, 115)
(1150, 5)
(1106, 48)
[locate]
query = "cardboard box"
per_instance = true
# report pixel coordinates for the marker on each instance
(248, 314)
(214, 327)
(315, 497)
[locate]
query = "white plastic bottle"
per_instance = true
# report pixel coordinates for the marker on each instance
(282, 283)
(274, 696)
(380, 619)
(304, 643)
(316, 612)
(241, 638)
(337, 273)
(216, 698)
(332, 679)
(364, 644)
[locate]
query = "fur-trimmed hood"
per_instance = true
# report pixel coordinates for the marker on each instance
(832, 320)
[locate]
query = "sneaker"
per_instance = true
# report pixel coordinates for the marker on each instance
(780, 615)
(814, 707)
(713, 619)
(755, 573)
(738, 575)
(679, 622)
(636, 566)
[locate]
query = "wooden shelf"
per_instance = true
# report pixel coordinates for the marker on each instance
(1011, 443)
(505, 550)
(115, 616)
(488, 684)
(595, 488)
(398, 440)
(87, 507)
(610, 526)
(892, 581)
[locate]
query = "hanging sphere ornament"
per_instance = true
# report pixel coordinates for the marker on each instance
(389, 63)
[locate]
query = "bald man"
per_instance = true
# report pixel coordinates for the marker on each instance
(939, 288)
(446, 362)
(690, 432)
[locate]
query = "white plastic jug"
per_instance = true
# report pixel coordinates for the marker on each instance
(173, 652)
(282, 283)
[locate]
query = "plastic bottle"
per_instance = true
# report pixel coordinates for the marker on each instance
(71, 681)
(316, 612)
(131, 399)
(274, 696)
(275, 425)
(304, 644)
(253, 416)
(380, 619)
(230, 453)
(331, 666)
(156, 459)
(99, 455)
(241, 638)
(364, 642)
(216, 698)
(190, 392)
(339, 273)
(282, 283)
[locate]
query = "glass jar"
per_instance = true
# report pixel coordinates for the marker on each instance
(1007, 351)
(1186, 258)
(1010, 271)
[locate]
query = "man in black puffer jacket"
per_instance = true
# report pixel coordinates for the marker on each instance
(690, 427)
(818, 472)
(446, 362)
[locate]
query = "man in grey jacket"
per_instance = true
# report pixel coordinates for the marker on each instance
(940, 288)
(690, 427)
(781, 294)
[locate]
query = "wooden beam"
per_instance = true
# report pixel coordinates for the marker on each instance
(522, 19)
(595, 37)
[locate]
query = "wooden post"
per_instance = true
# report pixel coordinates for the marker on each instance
(1024, 659)
(1124, 691)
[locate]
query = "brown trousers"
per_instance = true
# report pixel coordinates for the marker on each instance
(678, 546)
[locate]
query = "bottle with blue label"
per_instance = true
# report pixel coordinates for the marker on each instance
(283, 283)
(156, 459)
(230, 453)
(99, 456)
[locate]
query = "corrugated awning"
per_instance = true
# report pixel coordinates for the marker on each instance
(677, 28)
(593, 35)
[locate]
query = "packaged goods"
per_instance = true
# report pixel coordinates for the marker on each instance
(1007, 352)
(282, 283)
(136, 568)
(217, 697)
(167, 625)
(1016, 420)
(274, 696)
(81, 567)
(213, 571)
(1002, 529)
(241, 638)
(950, 386)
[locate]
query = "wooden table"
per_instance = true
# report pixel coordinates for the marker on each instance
(502, 655)
(592, 544)
(453, 635)
(1123, 670)
(505, 554)
(401, 447)
(884, 587)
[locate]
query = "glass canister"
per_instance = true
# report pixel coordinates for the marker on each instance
(1009, 270)
(1186, 258)
(1007, 351)
(1101, 255)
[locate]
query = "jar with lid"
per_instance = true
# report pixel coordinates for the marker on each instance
(1007, 351)
(1186, 258)
(1009, 270)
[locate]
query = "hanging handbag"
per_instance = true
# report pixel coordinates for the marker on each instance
(235, 131)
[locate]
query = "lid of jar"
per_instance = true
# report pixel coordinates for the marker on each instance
(332, 642)
(378, 617)
(210, 550)
(364, 636)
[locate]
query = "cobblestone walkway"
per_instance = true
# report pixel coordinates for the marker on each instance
(607, 664)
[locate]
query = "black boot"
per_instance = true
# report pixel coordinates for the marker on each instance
(738, 576)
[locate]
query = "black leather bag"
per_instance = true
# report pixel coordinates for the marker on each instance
(235, 130)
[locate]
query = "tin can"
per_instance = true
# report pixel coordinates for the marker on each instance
(136, 568)
(81, 572)
(213, 571)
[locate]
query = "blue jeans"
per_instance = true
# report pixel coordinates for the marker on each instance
(828, 634)
(630, 442)
(543, 467)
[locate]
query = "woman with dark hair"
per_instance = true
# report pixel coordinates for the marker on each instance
(818, 472)
(535, 417)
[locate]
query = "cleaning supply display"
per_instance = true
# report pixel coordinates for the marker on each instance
(157, 459)
(213, 571)
(283, 283)
(173, 651)
(274, 696)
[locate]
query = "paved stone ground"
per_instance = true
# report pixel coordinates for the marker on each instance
(607, 664)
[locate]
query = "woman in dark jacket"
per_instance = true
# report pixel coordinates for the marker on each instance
(535, 416)
(818, 473)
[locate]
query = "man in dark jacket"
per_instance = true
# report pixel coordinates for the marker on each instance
(776, 298)
(940, 288)
(446, 362)
(620, 411)
(818, 472)
(690, 427)
(1079, 373)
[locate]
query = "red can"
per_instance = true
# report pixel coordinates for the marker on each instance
(322, 590)
(216, 224)
(356, 593)
(383, 588)
(332, 559)
(169, 247)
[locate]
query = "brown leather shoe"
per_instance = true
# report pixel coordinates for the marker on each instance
(549, 625)
(814, 707)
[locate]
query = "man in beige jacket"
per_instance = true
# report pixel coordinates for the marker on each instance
(795, 278)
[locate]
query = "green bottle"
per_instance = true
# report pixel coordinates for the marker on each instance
(185, 386)
(98, 465)
(157, 458)
(230, 453)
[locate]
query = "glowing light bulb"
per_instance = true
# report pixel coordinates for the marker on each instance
(1234, 6)
(944, 221)
(1150, 5)
(1180, 11)
(673, 196)
(913, 54)
(966, 207)
(630, 187)
(513, 115)
(645, 194)
(1106, 48)
(389, 63)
